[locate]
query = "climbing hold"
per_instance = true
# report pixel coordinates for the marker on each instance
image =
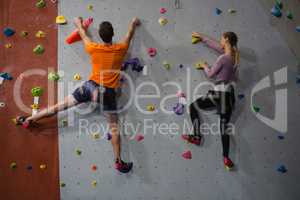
(181, 66)
(180, 94)
(162, 10)
(64, 122)
(275, 11)
(78, 152)
(200, 65)
(6, 76)
(96, 136)
(60, 19)
(74, 36)
(35, 106)
(218, 11)
(187, 155)
(166, 65)
(14, 120)
(280, 137)
(94, 167)
(178, 109)
(40, 34)
(40, 4)
(152, 52)
(162, 21)
(62, 184)
(39, 49)
(77, 77)
(94, 184)
(282, 169)
(195, 40)
(279, 4)
(241, 96)
(53, 76)
(139, 137)
(90, 7)
(8, 32)
(43, 166)
(231, 11)
(2, 104)
(29, 167)
(289, 15)
(255, 109)
(134, 63)
(298, 29)
(36, 91)
(13, 165)
(108, 136)
(8, 45)
(151, 108)
(23, 33)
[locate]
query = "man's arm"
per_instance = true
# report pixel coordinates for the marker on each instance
(82, 32)
(132, 26)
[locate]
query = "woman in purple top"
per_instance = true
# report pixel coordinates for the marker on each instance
(222, 97)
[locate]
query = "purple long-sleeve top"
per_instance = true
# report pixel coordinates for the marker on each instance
(224, 68)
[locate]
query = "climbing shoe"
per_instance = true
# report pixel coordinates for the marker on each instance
(123, 167)
(21, 120)
(228, 164)
(196, 140)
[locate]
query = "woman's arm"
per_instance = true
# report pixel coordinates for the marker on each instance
(213, 70)
(211, 43)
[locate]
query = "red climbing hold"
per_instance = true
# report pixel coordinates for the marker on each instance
(139, 137)
(152, 52)
(187, 155)
(74, 37)
(94, 167)
(162, 10)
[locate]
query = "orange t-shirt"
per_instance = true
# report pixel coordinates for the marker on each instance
(106, 62)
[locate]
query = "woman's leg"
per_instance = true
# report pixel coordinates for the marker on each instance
(224, 119)
(68, 102)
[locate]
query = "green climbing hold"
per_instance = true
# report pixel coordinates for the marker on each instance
(78, 152)
(279, 4)
(166, 65)
(37, 91)
(62, 184)
(39, 49)
(289, 15)
(40, 4)
(255, 109)
(52, 76)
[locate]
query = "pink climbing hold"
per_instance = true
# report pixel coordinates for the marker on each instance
(180, 94)
(187, 155)
(162, 10)
(152, 52)
(139, 137)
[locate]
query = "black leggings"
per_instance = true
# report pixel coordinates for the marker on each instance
(223, 102)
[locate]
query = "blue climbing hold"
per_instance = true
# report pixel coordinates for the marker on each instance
(134, 63)
(29, 168)
(280, 137)
(298, 29)
(108, 136)
(218, 11)
(178, 109)
(276, 11)
(8, 32)
(282, 169)
(181, 66)
(241, 96)
(298, 79)
(6, 76)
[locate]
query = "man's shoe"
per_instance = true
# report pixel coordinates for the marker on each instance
(123, 167)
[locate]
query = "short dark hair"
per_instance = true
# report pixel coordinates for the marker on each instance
(106, 31)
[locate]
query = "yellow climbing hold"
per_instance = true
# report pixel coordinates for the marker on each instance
(231, 11)
(94, 184)
(200, 65)
(77, 77)
(162, 21)
(96, 135)
(13, 165)
(40, 34)
(43, 166)
(151, 108)
(166, 65)
(90, 7)
(60, 19)
(195, 40)
(8, 45)
(35, 106)
(23, 33)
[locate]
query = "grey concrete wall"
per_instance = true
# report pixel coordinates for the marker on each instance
(159, 170)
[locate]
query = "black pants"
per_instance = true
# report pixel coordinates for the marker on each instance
(223, 102)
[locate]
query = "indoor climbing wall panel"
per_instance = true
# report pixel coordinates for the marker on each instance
(159, 170)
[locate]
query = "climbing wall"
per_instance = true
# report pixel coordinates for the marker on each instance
(160, 171)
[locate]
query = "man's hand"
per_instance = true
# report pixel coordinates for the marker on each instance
(78, 22)
(135, 21)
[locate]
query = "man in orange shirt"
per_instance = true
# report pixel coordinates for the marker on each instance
(106, 61)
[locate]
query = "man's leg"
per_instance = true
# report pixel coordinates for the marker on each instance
(115, 140)
(68, 102)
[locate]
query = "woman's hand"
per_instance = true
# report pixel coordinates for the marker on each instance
(197, 35)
